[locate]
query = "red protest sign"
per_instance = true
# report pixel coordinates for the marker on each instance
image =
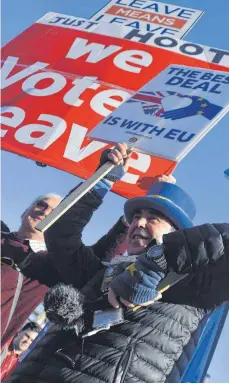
(49, 104)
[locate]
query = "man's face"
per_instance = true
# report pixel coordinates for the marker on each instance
(24, 340)
(38, 211)
(146, 226)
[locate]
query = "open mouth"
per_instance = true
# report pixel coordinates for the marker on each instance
(140, 235)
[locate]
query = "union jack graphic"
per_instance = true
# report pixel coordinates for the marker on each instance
(151, 101)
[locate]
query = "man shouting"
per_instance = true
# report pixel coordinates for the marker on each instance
(154, 342)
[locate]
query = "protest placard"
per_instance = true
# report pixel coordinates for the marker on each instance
(170, 43)
(54, 94)
(169, 115)
(151, 16)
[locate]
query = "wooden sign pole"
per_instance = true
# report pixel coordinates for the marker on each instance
(76, 195)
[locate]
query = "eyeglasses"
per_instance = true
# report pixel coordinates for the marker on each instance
(43, 205)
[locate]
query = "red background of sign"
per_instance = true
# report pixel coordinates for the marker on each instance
(50, 44)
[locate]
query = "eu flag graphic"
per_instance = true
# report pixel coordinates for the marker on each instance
(199, 106)
(152, 105)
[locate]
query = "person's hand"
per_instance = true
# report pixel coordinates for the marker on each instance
(112, 298)
(165, 178)
(137, 284)
(146, 182)
(119, 156)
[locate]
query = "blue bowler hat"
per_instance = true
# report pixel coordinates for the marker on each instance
(168, 199)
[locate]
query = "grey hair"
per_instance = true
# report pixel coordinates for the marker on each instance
(41, 197)
(46, 196)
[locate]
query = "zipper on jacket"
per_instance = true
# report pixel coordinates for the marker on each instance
(66, 358)
(131, 351)
(127, 354)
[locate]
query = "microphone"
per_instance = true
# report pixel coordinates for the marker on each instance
(64, 306)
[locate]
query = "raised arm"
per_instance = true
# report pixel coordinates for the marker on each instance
(74, 262)
(67, 256)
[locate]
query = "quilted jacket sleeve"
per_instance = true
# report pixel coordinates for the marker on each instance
(75, 261)
(68, 259)
(203, 252)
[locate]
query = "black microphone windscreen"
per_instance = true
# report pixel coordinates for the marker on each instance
(63, 305)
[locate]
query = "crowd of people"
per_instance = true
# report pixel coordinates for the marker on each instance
(108, 320)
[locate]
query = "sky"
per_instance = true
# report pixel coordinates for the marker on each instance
(200, 173)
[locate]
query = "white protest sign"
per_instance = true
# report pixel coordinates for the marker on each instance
(170, 43)
(170, 114)
(151, 16)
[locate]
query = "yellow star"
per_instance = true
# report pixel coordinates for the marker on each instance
(203, 105)
(131, 269)
(200, 112)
